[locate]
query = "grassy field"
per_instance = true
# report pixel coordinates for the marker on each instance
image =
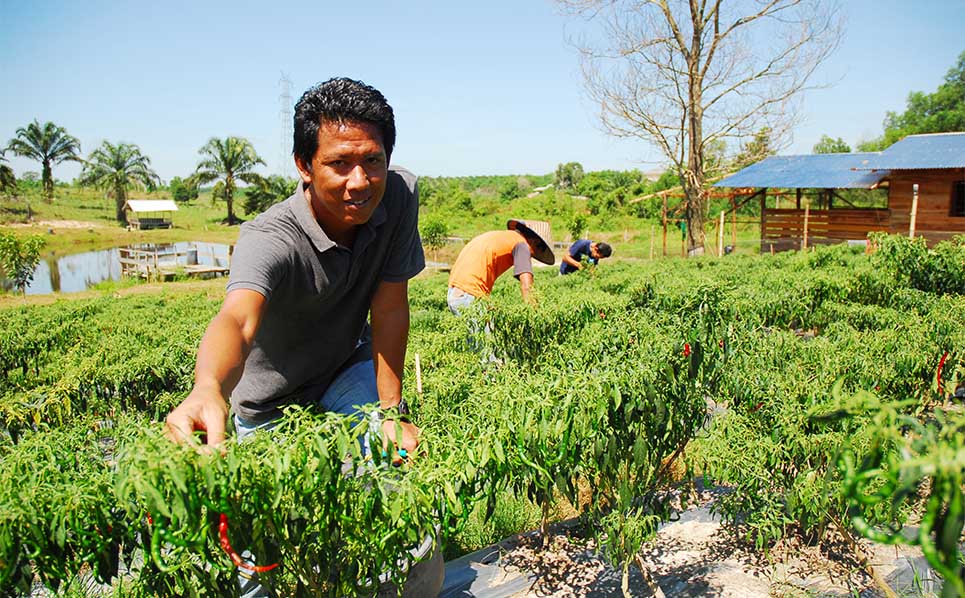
(80, 220)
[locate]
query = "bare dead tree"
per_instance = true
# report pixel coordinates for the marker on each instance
(688, 74)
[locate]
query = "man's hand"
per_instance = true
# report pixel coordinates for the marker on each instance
(221, 360)
(202, 410)
(410, 436)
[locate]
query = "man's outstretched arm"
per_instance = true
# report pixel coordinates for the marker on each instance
(390, 335)
(221, 361)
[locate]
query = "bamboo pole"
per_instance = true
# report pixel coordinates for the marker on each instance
(914, 211)
(720, 234)
(733, 223)
(418, 374)
(807, 214)
(763, 215)
(664, 225)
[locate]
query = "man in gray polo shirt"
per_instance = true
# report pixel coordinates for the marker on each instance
(307, 274)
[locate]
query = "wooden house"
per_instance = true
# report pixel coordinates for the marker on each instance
(933, 168)
(934, 163)
(143, 214)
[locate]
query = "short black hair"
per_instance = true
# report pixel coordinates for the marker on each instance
(340, 100)
(604, 249)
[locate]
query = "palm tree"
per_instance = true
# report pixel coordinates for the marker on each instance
(47, 144)
(117, 168)
(7, 179)
(268, 192)
(228, 159)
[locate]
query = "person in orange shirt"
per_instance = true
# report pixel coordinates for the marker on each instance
(490, 254)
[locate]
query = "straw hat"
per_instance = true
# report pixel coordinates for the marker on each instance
(539, 229)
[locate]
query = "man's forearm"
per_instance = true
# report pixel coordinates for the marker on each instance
(526, 285)
(390, 333)
(221, 356)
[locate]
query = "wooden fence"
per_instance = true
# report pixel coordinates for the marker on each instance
(165, 262)
(783, 229)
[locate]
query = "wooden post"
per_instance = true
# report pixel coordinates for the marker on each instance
(653, 233)
(914, 211)
(733, 223)
(799, 198)
(807, 213)
(664, 224)
(418, 375)
(720, 235)
(683, 245)
(763, 193)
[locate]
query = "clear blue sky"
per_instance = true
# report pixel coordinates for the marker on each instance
(478, 87)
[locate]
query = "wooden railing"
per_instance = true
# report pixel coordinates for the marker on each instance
(783, 229)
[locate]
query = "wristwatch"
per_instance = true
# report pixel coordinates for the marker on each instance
(403, 407)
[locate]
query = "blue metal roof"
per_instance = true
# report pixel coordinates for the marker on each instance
(815, 171)
(936, 150)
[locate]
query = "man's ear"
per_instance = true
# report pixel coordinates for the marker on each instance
(304, 169)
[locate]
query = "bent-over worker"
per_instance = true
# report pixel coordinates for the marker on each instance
(490, 254)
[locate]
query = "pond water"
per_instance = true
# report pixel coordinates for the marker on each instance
(80, 271)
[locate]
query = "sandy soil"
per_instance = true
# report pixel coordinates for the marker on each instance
(71, 224)
(695, 556)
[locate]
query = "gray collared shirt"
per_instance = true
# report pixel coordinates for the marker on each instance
(318, 292)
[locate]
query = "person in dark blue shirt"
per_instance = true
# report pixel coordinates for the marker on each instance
(594, 252)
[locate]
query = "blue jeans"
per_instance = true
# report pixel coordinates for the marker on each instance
(353, 386)
(458, 300)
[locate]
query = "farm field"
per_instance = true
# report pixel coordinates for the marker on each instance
(818, 389)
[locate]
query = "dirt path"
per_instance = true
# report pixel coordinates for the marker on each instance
(57, 224)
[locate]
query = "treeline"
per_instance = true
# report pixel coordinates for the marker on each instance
(569, 198)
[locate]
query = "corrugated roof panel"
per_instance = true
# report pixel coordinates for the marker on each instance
(915, 152)
(815, 171)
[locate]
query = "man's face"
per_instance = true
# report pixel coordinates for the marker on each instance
(347, 177)
(595, 252)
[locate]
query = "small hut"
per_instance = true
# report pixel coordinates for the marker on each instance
(143, 214)
(931, 167)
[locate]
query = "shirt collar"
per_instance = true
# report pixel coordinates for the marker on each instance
(321, 241)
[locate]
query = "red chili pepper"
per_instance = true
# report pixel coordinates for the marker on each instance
(602, 315)
(234, 556)
(686, 349)
(150, 520)
(938, 374)
(758, 406)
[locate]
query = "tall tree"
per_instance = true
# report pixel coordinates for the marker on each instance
(266, 193)
(229, 159)
(684, 74)
(569, 175)
(755, 149)
(183, 190)
(47, 144)
(940, 112)
(827, 145)
(7, 178)
(117, 168)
